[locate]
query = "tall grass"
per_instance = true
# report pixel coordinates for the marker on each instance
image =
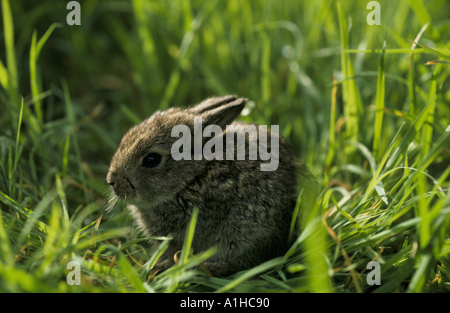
(366, 108)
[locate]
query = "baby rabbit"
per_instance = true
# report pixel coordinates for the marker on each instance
(245, 212)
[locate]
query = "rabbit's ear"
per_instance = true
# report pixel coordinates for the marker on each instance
(210, 104)
(224, 113)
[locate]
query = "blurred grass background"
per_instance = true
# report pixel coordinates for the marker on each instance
(317, 69)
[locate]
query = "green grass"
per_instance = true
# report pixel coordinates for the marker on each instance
(366, 108)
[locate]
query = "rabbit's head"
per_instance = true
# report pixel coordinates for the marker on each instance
(143, 171)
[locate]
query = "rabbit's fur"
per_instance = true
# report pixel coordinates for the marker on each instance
(244, 212)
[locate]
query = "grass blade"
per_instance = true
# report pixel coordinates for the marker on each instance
(35, 49)
(13, 77)
(352, 98)
(189, 237)
(4, 77)
(131, 274)
(427, 132)
(412, 85)
(379, 106)
(6, 254)
(435, 52)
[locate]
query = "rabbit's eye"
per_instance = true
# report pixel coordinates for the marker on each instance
(151, 160)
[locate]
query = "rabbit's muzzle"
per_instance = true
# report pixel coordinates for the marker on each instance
(121, 185)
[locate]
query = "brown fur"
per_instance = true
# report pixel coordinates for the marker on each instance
(243, 211)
